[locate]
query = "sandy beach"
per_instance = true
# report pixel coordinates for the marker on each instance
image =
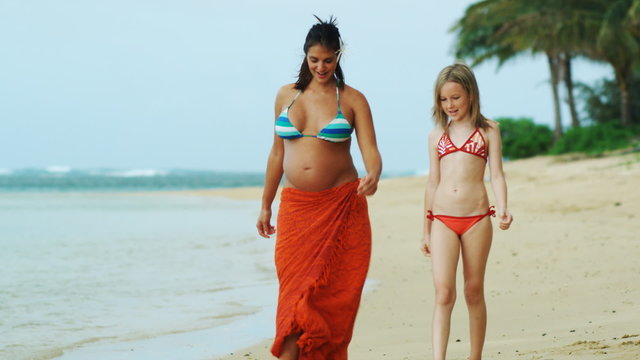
(562, 283)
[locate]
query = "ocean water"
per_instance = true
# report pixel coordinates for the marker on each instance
(95, 272)
(66, 179)
(63, 178)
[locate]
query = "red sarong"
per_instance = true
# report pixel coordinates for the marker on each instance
(322, 256)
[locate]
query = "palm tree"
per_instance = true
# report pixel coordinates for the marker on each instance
(568, 82)
(503, 29)
(634, 18)
(618, 43)
(602, 30)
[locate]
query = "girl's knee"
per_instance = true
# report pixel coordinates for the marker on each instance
(474, 294)
(445, 296)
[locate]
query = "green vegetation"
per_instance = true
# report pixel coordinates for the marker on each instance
(606, 31)
(594, 139)
(522, 138)
(601, 102)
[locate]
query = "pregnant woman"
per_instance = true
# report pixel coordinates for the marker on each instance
(323, 242)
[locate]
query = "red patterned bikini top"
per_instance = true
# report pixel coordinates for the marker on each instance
(475, 145)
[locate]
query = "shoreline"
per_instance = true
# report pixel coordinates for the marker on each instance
(559, 282)
(142, 277)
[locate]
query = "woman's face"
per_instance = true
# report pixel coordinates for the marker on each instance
(322, 63)
(454, 100)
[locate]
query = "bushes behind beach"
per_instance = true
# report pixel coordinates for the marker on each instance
(522, 138)
(593, 140)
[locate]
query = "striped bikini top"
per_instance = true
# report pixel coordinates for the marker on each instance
(338, 130)
(475, 145)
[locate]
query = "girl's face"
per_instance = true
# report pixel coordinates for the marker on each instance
(454, 100)
(322, 63)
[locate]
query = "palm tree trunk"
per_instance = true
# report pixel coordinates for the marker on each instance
(625, 98)
(568, 81)
(555, 77)
(623, 75)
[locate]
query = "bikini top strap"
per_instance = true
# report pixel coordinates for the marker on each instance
(294, 99)
(338, 95)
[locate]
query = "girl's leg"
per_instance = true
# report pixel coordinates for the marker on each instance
(445, 251)
(476, 243)
(290, 348)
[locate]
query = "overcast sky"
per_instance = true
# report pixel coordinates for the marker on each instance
(191, 84)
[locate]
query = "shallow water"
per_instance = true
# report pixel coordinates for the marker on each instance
(110, 276)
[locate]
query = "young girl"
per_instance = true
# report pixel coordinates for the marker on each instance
(456, 204)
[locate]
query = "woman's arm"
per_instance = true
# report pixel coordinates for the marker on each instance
(363, 124)
(432, 184)
(498, 182)
(273, 174)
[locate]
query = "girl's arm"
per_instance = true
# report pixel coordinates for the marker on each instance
(273, 174)
(363, 123)
(498, 182)
(432, 184)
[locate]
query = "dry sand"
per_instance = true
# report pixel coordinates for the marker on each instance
(562, 283)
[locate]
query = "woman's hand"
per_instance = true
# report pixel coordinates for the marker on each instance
(264, 224)
(368, 185)
(505, 219)
(425, 245)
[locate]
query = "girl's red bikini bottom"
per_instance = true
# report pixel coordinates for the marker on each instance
(460, 224)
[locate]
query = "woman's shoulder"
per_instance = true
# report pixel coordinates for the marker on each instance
(287, 89)
(351, 94)
(285, 94)
(347, 89)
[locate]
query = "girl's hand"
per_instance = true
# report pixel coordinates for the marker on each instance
(505, 219)
(368, 185)
(424, 246)
(264, 224)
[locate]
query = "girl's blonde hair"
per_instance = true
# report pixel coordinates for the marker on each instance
(461, 74)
